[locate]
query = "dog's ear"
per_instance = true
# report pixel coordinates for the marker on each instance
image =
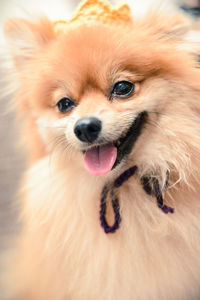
(26, 39)
(192, 43)
(166, 26)
(178, 29)
(185, 32)
(187, 37)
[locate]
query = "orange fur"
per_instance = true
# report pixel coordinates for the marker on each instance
(62, 251)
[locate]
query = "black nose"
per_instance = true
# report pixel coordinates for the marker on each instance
(87, 129)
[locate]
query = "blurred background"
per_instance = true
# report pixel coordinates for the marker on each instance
(11, 162)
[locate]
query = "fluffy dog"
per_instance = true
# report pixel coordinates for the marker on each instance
(110, 113)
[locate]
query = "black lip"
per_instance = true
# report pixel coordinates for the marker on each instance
(127, 142)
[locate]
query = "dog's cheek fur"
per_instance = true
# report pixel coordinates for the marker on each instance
(171, 142)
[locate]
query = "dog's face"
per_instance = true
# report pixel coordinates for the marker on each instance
(107, 96)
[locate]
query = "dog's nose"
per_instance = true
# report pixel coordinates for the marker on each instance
(87, 129)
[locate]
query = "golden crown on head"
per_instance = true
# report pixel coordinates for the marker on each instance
(97, 11)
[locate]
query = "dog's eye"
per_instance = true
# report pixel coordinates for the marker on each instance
(123, 89)
(65, 104)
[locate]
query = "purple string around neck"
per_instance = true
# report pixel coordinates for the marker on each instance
(160, 202)
(115, 203)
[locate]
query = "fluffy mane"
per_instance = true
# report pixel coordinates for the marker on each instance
(62, 251)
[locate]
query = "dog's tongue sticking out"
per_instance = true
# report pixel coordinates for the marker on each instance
(100, 160)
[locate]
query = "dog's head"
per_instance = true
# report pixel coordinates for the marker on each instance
(109, 96)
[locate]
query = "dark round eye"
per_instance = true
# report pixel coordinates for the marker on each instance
(65, 104)
(123, 89)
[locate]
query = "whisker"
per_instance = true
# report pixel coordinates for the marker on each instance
(157, 113)
(61, 146)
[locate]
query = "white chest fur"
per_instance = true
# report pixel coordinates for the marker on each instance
(151, 256)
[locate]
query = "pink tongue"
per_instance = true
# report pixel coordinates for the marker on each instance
(100, 160)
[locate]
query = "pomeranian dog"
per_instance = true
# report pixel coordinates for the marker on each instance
(110, 119)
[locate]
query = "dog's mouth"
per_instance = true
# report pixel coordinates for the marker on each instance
(100, 160)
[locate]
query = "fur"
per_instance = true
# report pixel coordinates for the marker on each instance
(62, 252)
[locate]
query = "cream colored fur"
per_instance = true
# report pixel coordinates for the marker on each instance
(62, 252)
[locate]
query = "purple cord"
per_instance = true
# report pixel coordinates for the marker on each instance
(124, 176)
(160, 202)
(115, 203)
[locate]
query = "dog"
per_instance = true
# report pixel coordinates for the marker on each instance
(110, 122)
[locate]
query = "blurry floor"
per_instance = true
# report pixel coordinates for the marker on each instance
(11, 166)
